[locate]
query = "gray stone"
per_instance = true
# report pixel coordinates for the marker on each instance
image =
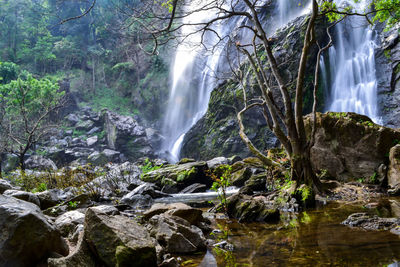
(27, 237)
(93, 130)
(37, 162)
(91, 141)
(72, 119)
(119, 241)
(84, 125)
(176, 235)
(215, 162)
(4, 185)
(68, 221)
(394, 170)
(23, 195)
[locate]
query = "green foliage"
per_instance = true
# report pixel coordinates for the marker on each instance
(149, 166)
(73, 204)
(388, 11)
(41, 187)
(222, 180)
(8, 71)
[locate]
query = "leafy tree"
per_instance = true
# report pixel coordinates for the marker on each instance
(27, 105)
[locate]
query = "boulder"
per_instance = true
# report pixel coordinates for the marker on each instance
(67, 222)
(192, 215)
(194, 188)
(23, 195)
(394, 171)
(215, 162)
(72, 119)
(80, 257)
(27, 237)
(84, 125)
(176, 235)
(53, 197)
(91, 141)
(4, 185)
(37, 162)
(118, 240)
(174, 178)
(349, 146)
(252, 209)
(126, 135)
(369, 222)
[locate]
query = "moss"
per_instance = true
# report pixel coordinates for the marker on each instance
(388, 53)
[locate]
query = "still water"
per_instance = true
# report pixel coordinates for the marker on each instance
(312, 238)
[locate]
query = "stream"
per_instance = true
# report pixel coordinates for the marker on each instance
(312, 238)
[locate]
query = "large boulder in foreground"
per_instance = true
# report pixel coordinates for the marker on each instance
(118, 240)
(26, 236)
(350, 146)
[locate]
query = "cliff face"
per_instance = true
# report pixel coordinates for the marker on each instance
(216, 134)
(388, 75)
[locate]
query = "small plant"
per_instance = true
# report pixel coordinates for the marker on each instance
(149, 166)
(374, 179)
(73, 204)
(222, 183)
(40, 188)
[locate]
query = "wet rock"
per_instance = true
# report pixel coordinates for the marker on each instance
(224, 245)
(194, 188)
(256, 182)
(23, 195)
(40, 163)
(4, 185)
(252, 209)
(67, 222)
(176, 235)
(176, 177)
(27, 237)
(119, 241)
(349, 145)
(368, 222)
(171, 262)
(394, 171)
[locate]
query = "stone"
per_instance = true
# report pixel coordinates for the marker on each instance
(194, 188)
(84, 125)
(349, 146)
(126, 135)
(252, 209)
(138, 201)
(37, 162)
(241, 176)
(118, 240)
(80, 257)
(176, 235)
(91, 141)
(174, 178)
(72, 119)
(23, 195)
(93, 130)
(369, 222)
(67, 222)
(394, 170)
(106, 209)
(4, 185)
(192, 215)
(215, 162)
(27, 237)
(53, 197)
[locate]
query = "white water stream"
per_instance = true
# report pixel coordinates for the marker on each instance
(195, 68)
(353, 84)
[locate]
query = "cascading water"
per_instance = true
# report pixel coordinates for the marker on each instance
(195, 67)
(352, 85)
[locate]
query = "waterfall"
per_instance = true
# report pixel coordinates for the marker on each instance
(195, 67)
(353, 84)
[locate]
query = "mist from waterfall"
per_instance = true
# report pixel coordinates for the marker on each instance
(195, 67)
(350, 75)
